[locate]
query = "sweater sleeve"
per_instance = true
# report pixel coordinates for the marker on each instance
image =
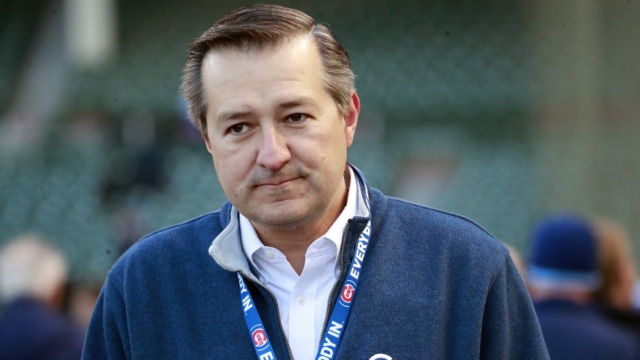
(510, 327)
(107, 336)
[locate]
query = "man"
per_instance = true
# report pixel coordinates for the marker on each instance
(305, 261)
(32, 280)
(563, 276)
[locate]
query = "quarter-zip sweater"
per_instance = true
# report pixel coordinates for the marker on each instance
(434, 285)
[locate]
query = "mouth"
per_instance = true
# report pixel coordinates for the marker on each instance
(277, 183)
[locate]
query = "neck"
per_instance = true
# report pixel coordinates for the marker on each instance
(293, 243)
(576, 296)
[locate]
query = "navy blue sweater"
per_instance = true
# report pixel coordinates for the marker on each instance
(433, 286)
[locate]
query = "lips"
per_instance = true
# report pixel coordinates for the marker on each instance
(278, 182)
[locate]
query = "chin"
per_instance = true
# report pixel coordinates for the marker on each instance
(284, 215)
(286, 220)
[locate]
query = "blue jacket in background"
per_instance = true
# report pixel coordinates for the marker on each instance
(433, 286)
(30, 330)
(573, 331)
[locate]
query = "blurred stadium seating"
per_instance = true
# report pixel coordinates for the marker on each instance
(467, 65)
(17, 28)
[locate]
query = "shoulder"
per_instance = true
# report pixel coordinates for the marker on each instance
(449, 237)
(456, 230)
(407, 211)
(179, 247)
(197, 232)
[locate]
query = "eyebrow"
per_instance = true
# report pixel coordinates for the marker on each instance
(298, 102)
(234, 115)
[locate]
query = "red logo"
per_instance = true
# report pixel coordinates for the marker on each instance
(259, 337)
(347, 293)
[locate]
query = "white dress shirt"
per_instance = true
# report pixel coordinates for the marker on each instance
(302, 299)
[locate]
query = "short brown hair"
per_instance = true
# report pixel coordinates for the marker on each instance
(616, 264)
(260, 27)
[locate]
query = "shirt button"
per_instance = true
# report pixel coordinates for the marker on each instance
(269, 254)
(302, 300)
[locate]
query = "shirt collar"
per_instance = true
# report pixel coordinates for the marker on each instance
(226, 249)
(251, 242)
(350, 210)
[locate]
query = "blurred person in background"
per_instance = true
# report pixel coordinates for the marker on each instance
(617, 272)
(81, 300)
(33, 276)
(616, 265)
(273, 274)
(562, 278)
(517, 260)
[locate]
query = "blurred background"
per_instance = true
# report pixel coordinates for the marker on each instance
(501, 111)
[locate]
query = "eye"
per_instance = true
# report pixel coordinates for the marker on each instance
(297, 117)
(238, 128)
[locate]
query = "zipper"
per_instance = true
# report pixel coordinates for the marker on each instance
(257, 283)
(333, 290)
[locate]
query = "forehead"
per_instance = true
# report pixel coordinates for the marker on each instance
(293, 66)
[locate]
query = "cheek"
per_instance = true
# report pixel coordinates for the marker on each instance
(231, 168)
(335, 146)
(324, 144)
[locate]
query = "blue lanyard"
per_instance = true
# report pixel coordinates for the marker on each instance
(259, 337)
(337, 321)
(335, 327)
(339, 315)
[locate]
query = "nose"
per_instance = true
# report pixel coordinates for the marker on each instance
(273, 151)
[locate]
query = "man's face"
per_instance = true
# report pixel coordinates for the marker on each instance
(278, 141)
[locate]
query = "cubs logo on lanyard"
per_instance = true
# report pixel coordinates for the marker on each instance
(347, 293)
(259, 337)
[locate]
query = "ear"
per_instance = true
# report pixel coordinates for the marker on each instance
(205, 133)
(351, 120)
(207, 142)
